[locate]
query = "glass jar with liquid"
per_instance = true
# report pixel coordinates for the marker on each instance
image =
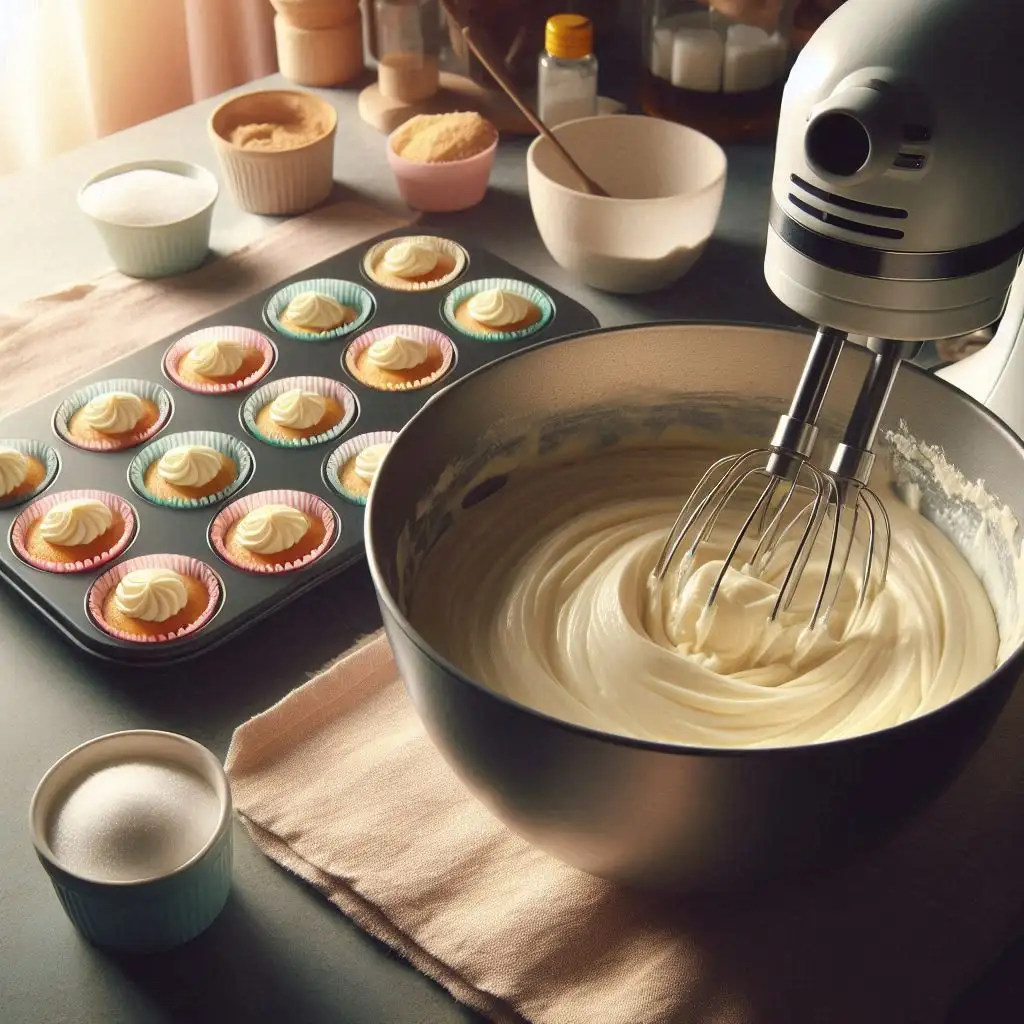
(717, 65)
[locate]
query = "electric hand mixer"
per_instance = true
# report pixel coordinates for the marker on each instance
(897, 214)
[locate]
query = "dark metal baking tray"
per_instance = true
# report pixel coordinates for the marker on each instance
(249, 598)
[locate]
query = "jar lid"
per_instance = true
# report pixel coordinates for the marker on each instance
(569, 36)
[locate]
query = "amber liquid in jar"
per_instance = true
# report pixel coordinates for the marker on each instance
(726, 116)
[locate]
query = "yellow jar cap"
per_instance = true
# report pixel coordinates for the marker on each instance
(569, 36)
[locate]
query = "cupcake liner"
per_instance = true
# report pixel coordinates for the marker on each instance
(143, 388)
(466, 291)
(249, 339)
(323, 386)
(177, 563)
(352, 447)
(346, 292)
(227, 445)
(453, 249)
(43, 453)
(308, 503)
(39, 508)
(434, 338)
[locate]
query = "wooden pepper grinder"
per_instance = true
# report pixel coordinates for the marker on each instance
(319, 42)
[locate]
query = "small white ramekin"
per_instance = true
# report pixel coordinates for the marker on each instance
(157, 250)
(154, 913)
(278, 181)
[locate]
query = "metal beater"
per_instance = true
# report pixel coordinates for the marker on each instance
(841, 511)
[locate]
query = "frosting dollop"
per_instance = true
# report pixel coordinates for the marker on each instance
(271, 528)
(151, 595)
(398, 352)
(218, 357)
(368, 461)
(410, 259)
(312, 311)
(75, 522)
(115, 412)
(190, 465)
(298, 409)
(498, 308)
(543, 592)
(13, 469)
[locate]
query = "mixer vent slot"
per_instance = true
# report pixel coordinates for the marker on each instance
(874, 230)
(853, 205)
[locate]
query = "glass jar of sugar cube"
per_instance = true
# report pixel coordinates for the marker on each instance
(717, 65)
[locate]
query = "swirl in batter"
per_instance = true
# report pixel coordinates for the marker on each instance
(542, 592)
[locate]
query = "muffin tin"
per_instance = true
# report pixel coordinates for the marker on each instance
(248, 597)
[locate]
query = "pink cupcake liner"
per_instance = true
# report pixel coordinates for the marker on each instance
(435, 339)
(308, 503)
(39, 508)
(182, 564)
(250, 340)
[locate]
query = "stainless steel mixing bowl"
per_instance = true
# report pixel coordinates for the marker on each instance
(658, 814)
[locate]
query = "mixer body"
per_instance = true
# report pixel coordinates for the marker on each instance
(897, 210)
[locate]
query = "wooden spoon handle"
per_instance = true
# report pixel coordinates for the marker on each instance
(587, 184)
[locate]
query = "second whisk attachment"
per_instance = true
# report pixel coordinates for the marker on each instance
(789, 508)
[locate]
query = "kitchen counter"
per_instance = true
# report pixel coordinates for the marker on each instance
(278, 951)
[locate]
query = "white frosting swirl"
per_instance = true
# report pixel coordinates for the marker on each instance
(190, 465)
(298, 409)
(397, 352)
(13, 470)
(272, 528)
(312, 311)
(498, 308)
(75, 522)
(542, 593)
(369, 460)
(410, 259)
(115, 412)
(151, 595)
(219, 357)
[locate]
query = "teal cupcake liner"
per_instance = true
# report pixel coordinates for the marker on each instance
(351, 448)
(321, 385)
(146, 389)
(43, 453)
(466, 291)
(348, 293)
(227, 445)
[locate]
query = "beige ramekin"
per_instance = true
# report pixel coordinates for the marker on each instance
(320, 56)
(279, 181)
(317, 13)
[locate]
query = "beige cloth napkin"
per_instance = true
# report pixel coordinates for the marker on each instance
(48, 342)
(339, 783)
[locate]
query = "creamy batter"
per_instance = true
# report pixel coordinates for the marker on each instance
(542, 592)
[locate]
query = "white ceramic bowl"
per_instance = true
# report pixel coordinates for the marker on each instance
(667, 182)
(157, 250)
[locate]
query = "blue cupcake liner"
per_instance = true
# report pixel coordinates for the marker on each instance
(348, 293)
(466, 291)
(43, 453)
(146, 389)
(322, 385)
(351, 448)
(227, 445)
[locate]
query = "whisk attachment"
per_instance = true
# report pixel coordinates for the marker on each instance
(798, 505)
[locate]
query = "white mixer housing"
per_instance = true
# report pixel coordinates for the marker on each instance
(898, 190)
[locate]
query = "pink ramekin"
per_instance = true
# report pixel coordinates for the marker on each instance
(442, 187)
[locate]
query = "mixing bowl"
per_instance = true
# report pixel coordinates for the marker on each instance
(667, 181)
(663, 814)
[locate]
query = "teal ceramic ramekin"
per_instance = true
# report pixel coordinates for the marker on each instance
(134, 830)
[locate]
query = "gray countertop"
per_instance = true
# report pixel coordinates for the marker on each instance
(278, 951)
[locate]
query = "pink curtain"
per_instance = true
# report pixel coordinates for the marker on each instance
(73, 70)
